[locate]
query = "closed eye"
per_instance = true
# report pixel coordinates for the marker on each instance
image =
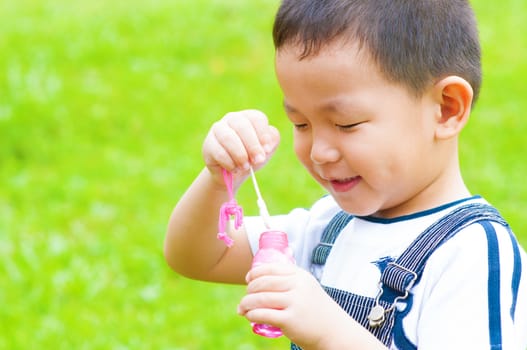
(347, 126)
(300, 126)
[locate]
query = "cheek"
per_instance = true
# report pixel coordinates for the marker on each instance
(302, 147)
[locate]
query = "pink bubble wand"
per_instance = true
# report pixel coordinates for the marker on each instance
(231, 208)
(228, 209)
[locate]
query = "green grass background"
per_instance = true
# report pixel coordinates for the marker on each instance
(103, 107)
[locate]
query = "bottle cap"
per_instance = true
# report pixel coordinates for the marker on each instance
(273, 239)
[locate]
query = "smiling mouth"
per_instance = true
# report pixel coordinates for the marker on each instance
(344, 185)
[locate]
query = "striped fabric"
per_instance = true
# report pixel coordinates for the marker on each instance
(330, 234)
(399, 276)
(359, 307)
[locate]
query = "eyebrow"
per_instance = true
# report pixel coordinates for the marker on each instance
(332, 105)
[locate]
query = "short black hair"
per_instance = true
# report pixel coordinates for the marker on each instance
(413, 42)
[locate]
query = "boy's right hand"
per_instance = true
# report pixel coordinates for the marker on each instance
(237, 141)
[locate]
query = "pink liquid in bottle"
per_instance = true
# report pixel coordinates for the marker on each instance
(273, 247)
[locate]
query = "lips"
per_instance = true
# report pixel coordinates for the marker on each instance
(344, 185)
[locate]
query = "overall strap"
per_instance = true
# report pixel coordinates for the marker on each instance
(405, 272)
(329, 235)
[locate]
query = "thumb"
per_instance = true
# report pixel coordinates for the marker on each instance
(272, 140)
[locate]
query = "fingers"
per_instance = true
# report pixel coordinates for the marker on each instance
(269, 300)
(268, 288)
(268, 135)
(271, 282)
(282, 294)
(270, 269)
(240, 137)
(240, 140)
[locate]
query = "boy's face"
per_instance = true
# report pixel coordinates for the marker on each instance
(368, 141)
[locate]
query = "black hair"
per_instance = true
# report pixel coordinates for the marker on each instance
(413, 42)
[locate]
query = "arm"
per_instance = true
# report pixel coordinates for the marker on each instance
(237, 141)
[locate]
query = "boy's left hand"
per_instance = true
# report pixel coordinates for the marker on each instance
(288, 297)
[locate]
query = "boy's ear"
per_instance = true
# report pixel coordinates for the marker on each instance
(454, 95)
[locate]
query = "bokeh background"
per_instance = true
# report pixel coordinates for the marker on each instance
(103, 108)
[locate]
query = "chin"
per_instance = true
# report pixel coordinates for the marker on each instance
(355, 208)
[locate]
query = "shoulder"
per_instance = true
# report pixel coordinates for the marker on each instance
(485, 250)
(480, 276)
(484, 240)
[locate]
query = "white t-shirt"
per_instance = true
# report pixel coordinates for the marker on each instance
(450, 308)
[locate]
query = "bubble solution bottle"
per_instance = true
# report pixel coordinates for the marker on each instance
(273, 248)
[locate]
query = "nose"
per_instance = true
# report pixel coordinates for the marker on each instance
(323, 150)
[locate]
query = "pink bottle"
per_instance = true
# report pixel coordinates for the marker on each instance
(273, 247)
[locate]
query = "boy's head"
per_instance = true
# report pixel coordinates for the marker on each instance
(378, 92)
(412, 42)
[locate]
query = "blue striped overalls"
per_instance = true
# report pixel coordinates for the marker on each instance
(399, 276)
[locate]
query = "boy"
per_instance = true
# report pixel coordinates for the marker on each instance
(377, 92)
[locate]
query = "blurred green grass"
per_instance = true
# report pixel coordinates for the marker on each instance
(103, 107)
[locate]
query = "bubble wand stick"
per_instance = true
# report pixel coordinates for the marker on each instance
(264, 213)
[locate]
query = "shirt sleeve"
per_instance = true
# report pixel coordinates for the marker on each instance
(304, 228)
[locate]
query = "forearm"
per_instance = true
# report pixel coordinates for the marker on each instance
(191, 247)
